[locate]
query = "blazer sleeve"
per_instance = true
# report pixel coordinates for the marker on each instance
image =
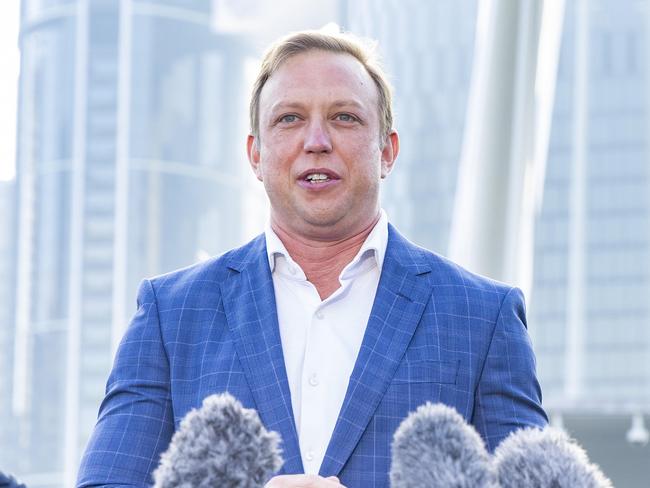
(135, 422)
(508, 395)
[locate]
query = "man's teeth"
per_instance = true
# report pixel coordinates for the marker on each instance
(317, 177)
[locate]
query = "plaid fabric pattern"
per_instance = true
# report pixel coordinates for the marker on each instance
(436, 333)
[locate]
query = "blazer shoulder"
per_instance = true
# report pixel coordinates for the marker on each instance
(445, 272)
(454, 273)
(466, 293)
(211, 271)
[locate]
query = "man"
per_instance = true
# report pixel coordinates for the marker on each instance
(331, 324)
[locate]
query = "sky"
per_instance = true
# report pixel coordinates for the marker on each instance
(9, 54)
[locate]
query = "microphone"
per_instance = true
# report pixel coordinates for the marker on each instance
(545, 458)
(220, 444)
(435, 447)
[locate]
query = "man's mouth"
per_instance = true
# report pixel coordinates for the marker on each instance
(316, 178)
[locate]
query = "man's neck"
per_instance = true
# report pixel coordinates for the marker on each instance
(323, 261)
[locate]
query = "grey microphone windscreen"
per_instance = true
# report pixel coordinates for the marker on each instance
(435, 447)
(221, 444)
(537, 458)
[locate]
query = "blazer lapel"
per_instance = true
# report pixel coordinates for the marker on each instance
(401, 296)
(249, 304)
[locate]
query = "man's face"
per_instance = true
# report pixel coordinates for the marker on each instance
(319, 152)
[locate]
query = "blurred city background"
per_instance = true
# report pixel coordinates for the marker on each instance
(525, 155)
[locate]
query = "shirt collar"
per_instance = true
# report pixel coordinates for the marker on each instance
(274, 246)
(374, 245)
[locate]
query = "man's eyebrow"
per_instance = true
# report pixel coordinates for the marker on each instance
(284, 105)
(348, 103)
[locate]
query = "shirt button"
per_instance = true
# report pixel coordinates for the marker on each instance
(313, 380)
(320, 315)
(309, 456)
(292, 270)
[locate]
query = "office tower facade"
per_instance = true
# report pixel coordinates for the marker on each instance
(7, 292)
(427, 50)
(590, 317)
(130, 163)
(588, 310)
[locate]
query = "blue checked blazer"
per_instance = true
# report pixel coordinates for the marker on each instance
(436, 333)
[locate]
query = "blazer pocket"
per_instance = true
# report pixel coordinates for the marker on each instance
(426, 371)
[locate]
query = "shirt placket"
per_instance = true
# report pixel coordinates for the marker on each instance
(316, 404)
(312, 394)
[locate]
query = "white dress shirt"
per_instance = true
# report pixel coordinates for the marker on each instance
(321, 339)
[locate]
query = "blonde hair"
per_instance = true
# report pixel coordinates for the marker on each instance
(343, 43)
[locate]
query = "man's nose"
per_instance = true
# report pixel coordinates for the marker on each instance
(317, 139)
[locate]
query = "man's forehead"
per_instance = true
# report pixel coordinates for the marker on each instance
(315, 72)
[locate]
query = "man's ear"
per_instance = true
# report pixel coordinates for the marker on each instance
(389, 153)
(253, 152)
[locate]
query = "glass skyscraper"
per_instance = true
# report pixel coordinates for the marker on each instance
(132, 117)
(590, 313)
(7, 271)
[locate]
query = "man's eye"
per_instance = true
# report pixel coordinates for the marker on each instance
(346, 117)
(287, 119)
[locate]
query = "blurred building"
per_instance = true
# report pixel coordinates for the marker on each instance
(132, 117)
(427, 50)
(590, 313)
(7, 292)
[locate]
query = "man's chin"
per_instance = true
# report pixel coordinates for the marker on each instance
(332, 226)
(324, 221)
(320, 224)
(332, 222)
